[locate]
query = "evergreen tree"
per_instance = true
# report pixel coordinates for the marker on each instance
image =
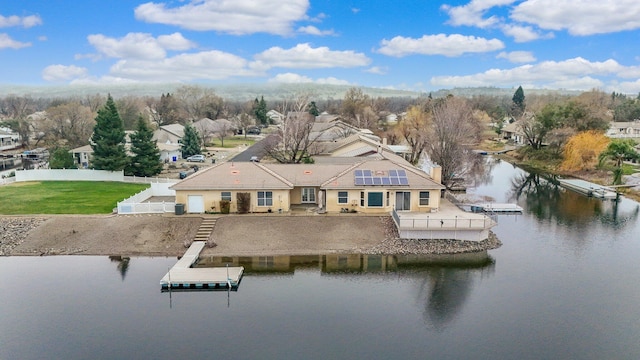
(146, 155)
(108, 139)
(61, 158)
(518, 102)
(190, 141)
(260, 110)
(313, 109)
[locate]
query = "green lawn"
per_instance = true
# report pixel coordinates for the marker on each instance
(232, 141)
(64, 197)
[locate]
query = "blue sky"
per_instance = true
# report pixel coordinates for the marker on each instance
(413, 45)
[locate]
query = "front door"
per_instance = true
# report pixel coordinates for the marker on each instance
(308, 195)
(403, 200)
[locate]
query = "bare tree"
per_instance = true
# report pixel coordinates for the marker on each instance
(223, 131)
(453, 132)
(414, 130)
(244, 121)
(293, 142)
(70, 123)
(198, 102)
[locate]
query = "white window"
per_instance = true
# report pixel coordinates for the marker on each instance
(343, 197)
(265, 198)
(225, 195)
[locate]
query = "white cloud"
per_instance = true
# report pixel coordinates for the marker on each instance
(63, 72)
(523, 33)
(586, 17)
(472, 14)
(7, 42)
(517, 56)
(441, 44)
(627, 87)
(14, 20)
(237, 17)
(312, 30)
(377, 70)
(571, 73)
(291, 78)
(208, 65)
(303, 56)
(139, 45)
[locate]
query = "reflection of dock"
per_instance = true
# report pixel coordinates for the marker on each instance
(496, 208)
(588, 188)
(183, 276)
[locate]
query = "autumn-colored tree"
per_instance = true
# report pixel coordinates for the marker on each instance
(582, 150)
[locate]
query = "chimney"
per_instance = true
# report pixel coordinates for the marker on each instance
(384, 141)
(436, 173)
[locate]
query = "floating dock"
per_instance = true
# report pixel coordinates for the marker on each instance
(588, 188)
(183, 277)
(496, 208)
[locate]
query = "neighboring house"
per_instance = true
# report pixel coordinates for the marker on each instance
(209, 129)
(8, 140)
(369, 186)
(325, 117)
(170, 152)
(337, 130)
(82, 156)
(621, 130)
(275, 117)
(514, 133)
(169, 134)
(359, 145)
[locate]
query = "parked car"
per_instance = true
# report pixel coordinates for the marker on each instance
(196, 158)
(254, 131)
(254, 159)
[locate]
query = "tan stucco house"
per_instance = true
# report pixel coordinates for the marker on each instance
(372, 186)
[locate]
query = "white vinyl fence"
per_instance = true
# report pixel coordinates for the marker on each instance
(136, 204)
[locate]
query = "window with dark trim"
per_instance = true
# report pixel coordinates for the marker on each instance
(424, 198)
(362, 198)
(343, 197)
(225, 195)
(265, 198)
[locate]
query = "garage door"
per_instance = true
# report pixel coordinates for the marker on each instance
(195, 204)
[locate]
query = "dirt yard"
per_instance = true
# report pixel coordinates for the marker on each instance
(155, 235)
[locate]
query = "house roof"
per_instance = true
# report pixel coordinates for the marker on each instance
(234, 175)
(175, 129)
(251, 176)
(381, 167)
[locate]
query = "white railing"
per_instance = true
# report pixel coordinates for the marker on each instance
(436, 222)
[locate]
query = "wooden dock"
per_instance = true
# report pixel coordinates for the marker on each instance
(183, 277)
(588, 188)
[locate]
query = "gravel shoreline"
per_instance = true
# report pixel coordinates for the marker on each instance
(158, 235)
(392, 245)
(13, 231)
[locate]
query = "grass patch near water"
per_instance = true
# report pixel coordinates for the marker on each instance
(65, 197)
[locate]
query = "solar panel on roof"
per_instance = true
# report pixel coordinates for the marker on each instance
(393, 173)
(366, 172)
(358, 173)
(404, 181)
(401, 173)
(386, 181)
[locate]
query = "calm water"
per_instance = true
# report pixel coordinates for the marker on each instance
(565, 285)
